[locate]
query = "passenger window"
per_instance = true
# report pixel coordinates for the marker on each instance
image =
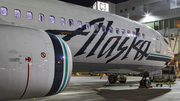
(52, 19)
(71, 23)
(63, 21)
(143, 35)
(96, 27)
(128, 32)
(138, 35)
(3, 11)
(134, 33)
(41, 17)
(117, 30)
(79, 24)
(123, 31)
(29, 15)
(87, 26)
(111, 29)
(103, 28)
(17, 13)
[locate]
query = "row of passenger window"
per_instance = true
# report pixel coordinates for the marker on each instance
(29, 15)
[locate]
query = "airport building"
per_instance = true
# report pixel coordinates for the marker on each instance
(161, 15)
(158, 14)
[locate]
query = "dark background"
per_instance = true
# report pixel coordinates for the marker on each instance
(88, 3)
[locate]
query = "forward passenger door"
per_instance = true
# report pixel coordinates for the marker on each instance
(158, 42)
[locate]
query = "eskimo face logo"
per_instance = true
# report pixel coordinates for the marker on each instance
(141, 46)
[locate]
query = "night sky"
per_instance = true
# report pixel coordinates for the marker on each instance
(88, 3)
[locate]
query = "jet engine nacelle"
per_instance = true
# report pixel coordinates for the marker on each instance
(33, 63)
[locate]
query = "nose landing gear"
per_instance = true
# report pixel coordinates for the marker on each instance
(144, 81)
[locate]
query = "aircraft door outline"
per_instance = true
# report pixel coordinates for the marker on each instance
(158, 44)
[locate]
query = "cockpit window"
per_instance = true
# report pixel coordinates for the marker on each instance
(166, 41)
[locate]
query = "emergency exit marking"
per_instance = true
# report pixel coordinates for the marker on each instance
(43, 55)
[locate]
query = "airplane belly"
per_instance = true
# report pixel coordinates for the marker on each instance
(113, 68)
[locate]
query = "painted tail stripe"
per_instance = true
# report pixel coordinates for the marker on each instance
(59, 65)
(66, 66)
(26, 83)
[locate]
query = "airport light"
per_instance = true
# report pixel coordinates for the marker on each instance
(148, 17)
(147, 14)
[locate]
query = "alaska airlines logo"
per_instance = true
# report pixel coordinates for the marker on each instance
(141, 46)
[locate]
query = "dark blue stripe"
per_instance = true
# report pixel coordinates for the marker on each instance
(158, 59)
(59, 63)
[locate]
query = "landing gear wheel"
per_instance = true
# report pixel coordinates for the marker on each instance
(112, 79)
(123, 80)
(144, 81)
(147, 83)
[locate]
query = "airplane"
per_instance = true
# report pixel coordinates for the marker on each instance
(43, 41)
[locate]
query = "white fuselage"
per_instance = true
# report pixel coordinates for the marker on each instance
(94, 50)
(38, 39)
